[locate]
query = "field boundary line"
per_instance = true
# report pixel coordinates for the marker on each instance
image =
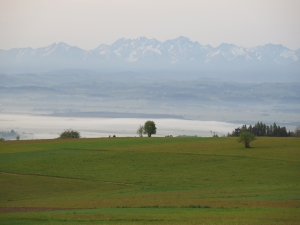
(70, 178)
(33, 209)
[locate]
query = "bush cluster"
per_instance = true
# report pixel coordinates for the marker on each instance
(70, 134)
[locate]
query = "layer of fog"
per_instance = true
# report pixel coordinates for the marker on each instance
(48, 127)
(177, 102)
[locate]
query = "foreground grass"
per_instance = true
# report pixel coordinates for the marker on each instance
(158, 216)
(151, 180)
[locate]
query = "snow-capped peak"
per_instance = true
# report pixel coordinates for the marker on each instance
(151, 52)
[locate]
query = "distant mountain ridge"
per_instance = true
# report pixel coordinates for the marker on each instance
(180, 54)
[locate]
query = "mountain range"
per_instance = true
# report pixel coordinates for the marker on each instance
(142, 54)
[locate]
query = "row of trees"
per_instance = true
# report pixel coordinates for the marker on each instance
(261, 129)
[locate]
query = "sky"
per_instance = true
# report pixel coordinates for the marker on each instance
(89, 23)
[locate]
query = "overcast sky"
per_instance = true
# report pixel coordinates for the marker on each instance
(89, 23)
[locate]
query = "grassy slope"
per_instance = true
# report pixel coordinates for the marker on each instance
(240, 185)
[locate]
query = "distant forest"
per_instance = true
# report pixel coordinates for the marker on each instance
(261, 129)
(8, 134)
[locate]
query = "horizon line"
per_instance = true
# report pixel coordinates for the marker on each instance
(129, 39)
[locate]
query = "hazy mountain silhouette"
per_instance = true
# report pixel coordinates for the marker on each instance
(142, 54)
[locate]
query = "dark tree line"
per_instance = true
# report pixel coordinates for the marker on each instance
(261, 129)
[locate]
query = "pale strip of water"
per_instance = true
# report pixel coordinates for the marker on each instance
(48, 127)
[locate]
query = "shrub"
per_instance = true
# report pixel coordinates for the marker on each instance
(69, 134)
(246, 137)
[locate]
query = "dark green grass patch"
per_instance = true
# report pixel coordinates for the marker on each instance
(207, 216)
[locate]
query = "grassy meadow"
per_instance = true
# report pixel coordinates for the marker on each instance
(150, 181)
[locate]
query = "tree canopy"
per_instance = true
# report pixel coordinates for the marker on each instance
(261, 129)
(140, 131)
(149, 128)
(246, 137)
(70, 134)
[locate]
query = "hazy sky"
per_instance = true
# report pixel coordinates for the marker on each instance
(89, 23)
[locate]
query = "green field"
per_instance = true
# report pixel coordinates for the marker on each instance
(150, 181)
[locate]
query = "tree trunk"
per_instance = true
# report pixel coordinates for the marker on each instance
(149, 135)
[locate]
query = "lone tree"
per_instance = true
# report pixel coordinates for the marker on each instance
(140, 131)
(297, 131)
(149, 128)
(246, 137)
(70, 134)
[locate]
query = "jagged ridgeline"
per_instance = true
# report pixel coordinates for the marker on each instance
(143, 54)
